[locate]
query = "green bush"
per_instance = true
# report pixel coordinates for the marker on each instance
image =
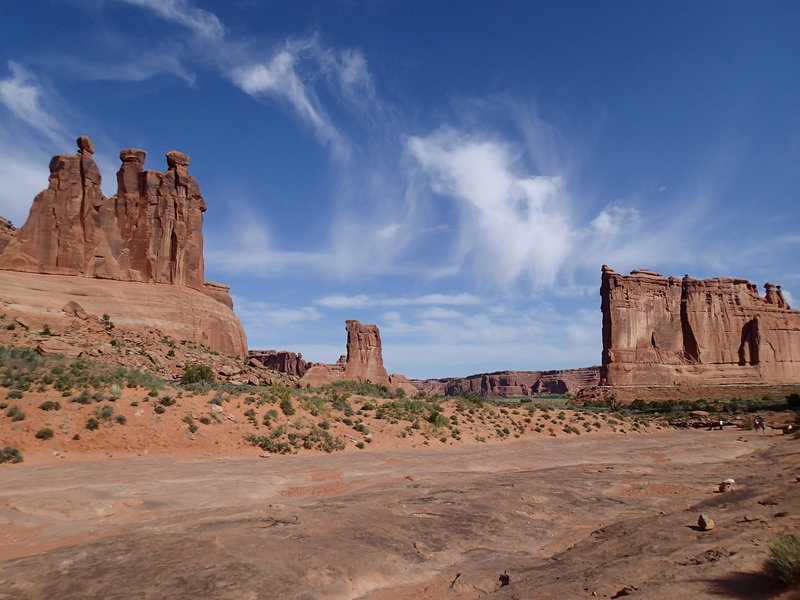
(14, 395)
(44, 434)
(15, 413)
(784, 559)
(287, 407)
(50, 405)
(105, 412)
(197, 374)
(160, 410)
(10, 454)
(167, 401)
(121, 419)
(92, 424)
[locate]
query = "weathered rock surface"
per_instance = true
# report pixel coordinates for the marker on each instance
(177, 311)
(284, 361)
(664, 330)
(364, 354)
(150, 233)
(502, 384)
(7, 231)
(363, 362)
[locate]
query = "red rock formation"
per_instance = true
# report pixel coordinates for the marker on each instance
(364, 354)
(659, 330)
(283, 361)
(7, 231)
(505, 384)
(150, 232)
(363, 362)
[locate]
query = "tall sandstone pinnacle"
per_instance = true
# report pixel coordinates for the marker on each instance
(664, 330)
(150, 232)
(364, 360)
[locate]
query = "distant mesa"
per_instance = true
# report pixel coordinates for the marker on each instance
(512, 384)
(150, 233)
(663, 330)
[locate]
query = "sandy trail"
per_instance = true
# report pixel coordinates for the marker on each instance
(377, 524)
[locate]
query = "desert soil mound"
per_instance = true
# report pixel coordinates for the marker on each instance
(573, 517)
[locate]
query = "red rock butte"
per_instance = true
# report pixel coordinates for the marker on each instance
(149, 233)
(663, 330)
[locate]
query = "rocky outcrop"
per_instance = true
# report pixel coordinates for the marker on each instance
(364, 360)
(284, 361)
(149, 233)
(7, 231)
(663, 330)
(177, 311)
(505, 384)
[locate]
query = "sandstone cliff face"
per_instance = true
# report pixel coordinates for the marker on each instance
(283, 361)
(150, 233)
(505, 384)
(7, 231)
(660, 331)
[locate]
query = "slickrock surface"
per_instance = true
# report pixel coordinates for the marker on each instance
(572, 518)
(174, 310)
(504, 384)
(659, 330)
(149, 233)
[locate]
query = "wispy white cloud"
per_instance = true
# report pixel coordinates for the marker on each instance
(365, 301)
(203, 23)
(22, 95)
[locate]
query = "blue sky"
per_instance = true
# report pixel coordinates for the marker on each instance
(456, 172)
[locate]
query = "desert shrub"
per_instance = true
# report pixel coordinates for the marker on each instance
(104, 412)
(166, 401)
(314, 405)
(106, 322)
(15, 413)
(271, 443)
(121, 419)
(205, 420)
(50, 405)
(9, 454)
(348, 388)
(287, 406)
(197, 374)
(14, 395)
(784, 559)
(437, 419)
(189, 420)
(92, 424)
(44, 434)
(160, 410)
(270, 416)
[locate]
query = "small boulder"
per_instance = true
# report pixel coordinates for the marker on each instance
(705, 522)
(53, 346)
(73, 309)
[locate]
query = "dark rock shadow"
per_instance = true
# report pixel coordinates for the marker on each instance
(748, 586)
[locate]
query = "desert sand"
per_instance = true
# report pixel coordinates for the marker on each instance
(569, 517)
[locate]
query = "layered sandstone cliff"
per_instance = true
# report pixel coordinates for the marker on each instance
(149, 233)
(664, 330)
(507, 384)
(7, 231)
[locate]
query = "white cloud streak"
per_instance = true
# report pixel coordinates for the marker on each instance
(22, 96)
(202, 22)
(365, 301)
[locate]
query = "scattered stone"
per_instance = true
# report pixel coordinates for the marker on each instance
(705, 522)
(73, 309)
(626, 591)
(52, 346)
